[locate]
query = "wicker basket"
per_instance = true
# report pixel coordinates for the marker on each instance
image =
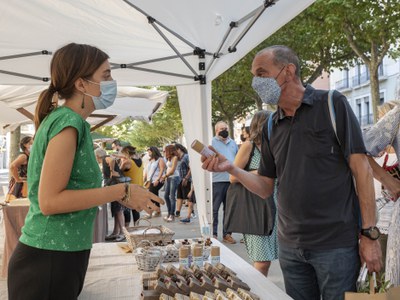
(147, 256)
(134, 235)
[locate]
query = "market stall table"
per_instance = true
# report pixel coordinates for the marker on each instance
(14, 219)
(113, 274)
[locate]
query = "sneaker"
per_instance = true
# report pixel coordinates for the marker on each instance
(194, 216)
(229, 239)
(166, 218)
(120, 238)
(185, 221)
(157, 214)
(171, 218)
(215, 237)
(146, 217)
(177, 214)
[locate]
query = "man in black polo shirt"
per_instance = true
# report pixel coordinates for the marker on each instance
(319, 243)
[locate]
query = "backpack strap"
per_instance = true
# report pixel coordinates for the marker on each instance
(269, 125)
(332, 113)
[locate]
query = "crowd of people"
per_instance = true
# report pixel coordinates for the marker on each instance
(154, 171)
(299, 188)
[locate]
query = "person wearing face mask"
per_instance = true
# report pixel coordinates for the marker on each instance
(321, 243)
(17, 188)
(52, 256)
(225, 145)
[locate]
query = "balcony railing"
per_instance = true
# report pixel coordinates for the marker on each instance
(342, 84)
(360, 79)
(366, 120)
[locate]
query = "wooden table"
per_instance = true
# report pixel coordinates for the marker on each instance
(113, 274)
(14, 219)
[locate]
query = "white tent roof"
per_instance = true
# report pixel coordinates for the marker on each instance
(150, 42)
(122, 29)
(17, 106)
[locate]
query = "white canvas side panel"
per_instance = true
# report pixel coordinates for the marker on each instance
(195, 105)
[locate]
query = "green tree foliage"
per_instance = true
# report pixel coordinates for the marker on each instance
(320, 47)
(165, 126)
(339, 33)
(317, 41)
(372, 29)
(232, 94)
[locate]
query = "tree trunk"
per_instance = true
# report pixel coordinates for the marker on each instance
(15, 137)
(374, 85)
(231, 128)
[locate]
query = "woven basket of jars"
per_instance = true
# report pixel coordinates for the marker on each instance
(147, 256)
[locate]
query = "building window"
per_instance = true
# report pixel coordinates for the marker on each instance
(381, 98)
(359, 112)
(380, 70)
(344, 83)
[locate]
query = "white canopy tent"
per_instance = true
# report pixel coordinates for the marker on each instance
(18, 103)
(176, 42)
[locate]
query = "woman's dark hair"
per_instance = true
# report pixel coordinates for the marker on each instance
(181, 147)
(23, 142)
(257, 124)
(170, 151)
(116, 143)
(155, 153)
(130, 150)
(68, 64)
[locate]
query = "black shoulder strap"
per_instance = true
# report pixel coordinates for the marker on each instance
(251, 156)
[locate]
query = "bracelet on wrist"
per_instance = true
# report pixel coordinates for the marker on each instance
(127, 196)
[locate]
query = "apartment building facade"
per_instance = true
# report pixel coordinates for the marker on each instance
(354, 83)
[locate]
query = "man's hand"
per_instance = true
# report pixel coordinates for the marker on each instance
(370, 253)
(216, 163)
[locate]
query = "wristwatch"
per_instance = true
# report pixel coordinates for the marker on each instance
(372, 232)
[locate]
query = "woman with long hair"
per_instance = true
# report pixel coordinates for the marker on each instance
(51, 258)
(153, 174)
(132, 166)
(262, 249)
(19, 170)
(172, 179)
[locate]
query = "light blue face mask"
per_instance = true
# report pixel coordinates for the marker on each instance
(108, 94)
(268, 88)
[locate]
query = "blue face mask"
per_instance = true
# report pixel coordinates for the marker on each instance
(108, 94)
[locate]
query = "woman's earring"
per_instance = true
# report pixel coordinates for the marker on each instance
(83, 102)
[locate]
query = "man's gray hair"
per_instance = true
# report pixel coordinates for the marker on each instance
(283, 55)
(219, 123)
(100, 152)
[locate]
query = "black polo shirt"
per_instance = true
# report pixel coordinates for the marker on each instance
(316, 195)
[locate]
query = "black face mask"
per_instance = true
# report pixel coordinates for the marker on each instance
(224, 134)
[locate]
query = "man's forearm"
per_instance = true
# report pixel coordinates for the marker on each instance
(362, 173)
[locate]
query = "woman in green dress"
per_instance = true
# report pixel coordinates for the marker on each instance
(64, 188)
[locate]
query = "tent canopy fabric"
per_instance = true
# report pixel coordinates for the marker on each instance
(175, 42)
(133, 103)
